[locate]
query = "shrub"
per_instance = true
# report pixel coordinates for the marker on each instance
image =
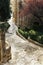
(42, 39)
(38, 39)
(33, 34)
(20, 31)
(26, 35)
(5, 10)
(26, 29)
(5, 14)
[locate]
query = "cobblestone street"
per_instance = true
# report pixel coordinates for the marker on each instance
(24, 52)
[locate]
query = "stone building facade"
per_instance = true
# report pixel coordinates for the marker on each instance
(5, 49)
(18, 6)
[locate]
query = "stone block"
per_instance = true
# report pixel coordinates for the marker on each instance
(5, 49)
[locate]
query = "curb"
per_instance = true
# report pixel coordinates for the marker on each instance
(36, 43)
(20, 35)
(30, 40)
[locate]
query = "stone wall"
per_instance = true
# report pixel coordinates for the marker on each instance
(5, 49)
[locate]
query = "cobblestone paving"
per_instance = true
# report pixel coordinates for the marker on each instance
(24, 52)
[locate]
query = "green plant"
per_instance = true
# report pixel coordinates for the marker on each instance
(42, 39)
(26, 29)
(20, 31)
(38, 39)
(37, 36)
(33, 34)
(4, 10)
(5, 13)
(26, 35)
